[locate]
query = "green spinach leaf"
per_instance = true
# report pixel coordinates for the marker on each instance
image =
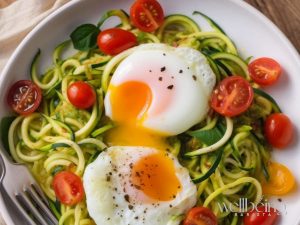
(211, 136)
(84, 37)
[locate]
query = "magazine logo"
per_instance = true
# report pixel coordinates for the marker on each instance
(244, 206)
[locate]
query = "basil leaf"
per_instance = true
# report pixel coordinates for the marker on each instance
(211, 136)
(5, 124)
(84, 37)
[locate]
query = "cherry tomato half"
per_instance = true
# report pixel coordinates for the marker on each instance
(232, 96)
(115, 40)
(281, 180)
(24, 97)
(278, 130)
(68, 188)
(81, 95)
(200, 215)
(260, 216)
(264, 71)
(147, 15)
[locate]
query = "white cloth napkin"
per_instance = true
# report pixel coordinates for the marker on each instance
(17, 18)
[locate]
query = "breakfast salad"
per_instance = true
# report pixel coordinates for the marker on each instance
(153, 121)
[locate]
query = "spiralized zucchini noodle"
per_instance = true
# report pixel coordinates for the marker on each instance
(60, 136)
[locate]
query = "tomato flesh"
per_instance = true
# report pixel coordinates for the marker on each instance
(115, 40)
(232, 96)
(264, 71)
(147, 15)
(279, 130)
(24, 97)
(81, 95)
(200, 216)
(281, 180)
(260, 216)
(68, 188)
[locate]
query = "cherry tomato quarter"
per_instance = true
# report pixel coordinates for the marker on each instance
(24, 97)
(260, 216)
(232, 96)
(279, 130)
(281, 180)
(200, 216)
(147, 15)
(264, 71)
(81, 95)
(68, 188)
(115, 40)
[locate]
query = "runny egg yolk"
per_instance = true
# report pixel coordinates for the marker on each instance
(155, 176)
(129, 104)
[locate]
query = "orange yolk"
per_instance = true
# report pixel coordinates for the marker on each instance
(129, 101)
(155, 176)
(129, 104)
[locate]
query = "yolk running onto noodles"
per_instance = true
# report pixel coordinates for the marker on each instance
(129, 104)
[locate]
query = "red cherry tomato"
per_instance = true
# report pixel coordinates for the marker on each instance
(261, 217)
(264, 71)
(279, 130)
(201, 216)
(68, 188)
(81, 95)
(115, 40)
(232, 96)
(147, 15)
(24, 97)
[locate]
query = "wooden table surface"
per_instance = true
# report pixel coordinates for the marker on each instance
(285, 14)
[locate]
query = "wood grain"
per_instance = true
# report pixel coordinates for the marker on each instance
(285, 14)
(5, 3)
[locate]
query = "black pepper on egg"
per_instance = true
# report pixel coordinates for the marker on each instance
(170, 87)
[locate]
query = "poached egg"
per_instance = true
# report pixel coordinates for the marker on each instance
(156, 92)
(137, 185)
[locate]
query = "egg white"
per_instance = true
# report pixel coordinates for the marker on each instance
(187, 82)
(105, 183)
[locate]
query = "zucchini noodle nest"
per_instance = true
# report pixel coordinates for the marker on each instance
(226, 157)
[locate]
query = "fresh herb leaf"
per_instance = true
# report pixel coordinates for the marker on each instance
(5, 124)
(84, 37)
(209, 137)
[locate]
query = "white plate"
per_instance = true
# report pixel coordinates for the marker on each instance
(253, 34)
